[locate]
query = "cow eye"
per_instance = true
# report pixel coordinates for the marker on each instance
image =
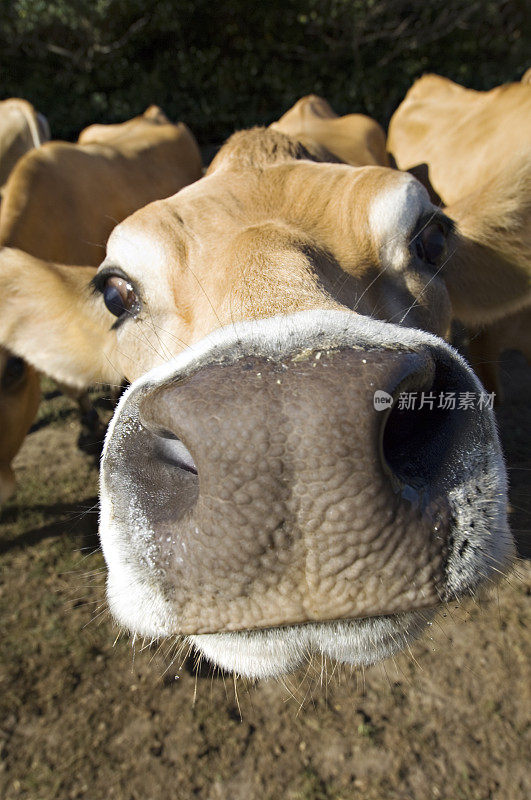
(14, 371)
(119, 296)
(430, 244)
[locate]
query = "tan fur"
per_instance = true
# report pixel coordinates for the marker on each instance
(61, 202)
(354, 139)
(476, 148)
(20, 130)
(75, 349)
(462, 135)
(491, 277)
(122, 132)
(262, 147)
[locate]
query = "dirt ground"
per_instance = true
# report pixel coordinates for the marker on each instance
(85, 716)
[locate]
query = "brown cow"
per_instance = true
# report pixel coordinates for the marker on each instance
(62, 201)
(21, 129)
(123, 132)
(254, 498)
(354, 139)
(476, 148)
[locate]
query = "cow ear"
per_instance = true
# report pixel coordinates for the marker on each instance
(488, 274)
(50, 317)
(157, 115)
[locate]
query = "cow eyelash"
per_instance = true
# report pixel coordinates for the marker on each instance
(121, 296)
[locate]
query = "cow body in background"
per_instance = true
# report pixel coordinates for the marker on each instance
(22, 128)
(475, 149)
(353, 139)
(121, 133)
(61, 202)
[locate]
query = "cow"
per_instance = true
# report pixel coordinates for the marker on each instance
(475, 148)
(21, 129)
(353, 139)
(268, 489)
(121, 132)
(61, 202)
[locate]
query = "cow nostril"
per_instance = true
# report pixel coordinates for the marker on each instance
(422, 432)
(170, 449)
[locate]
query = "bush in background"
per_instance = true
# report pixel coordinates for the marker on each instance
(223, 64)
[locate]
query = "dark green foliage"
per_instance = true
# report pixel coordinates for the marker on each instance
(223, 64)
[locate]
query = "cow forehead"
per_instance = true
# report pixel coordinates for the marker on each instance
(144, 238)
(161, 223)
(388, 206)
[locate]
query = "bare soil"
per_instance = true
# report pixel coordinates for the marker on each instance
(85, 716)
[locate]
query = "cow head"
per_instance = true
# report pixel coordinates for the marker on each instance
(253, 495)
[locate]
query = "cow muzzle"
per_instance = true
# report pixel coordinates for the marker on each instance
(294, 473)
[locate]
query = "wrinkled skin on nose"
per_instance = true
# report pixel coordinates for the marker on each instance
(284, 505)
